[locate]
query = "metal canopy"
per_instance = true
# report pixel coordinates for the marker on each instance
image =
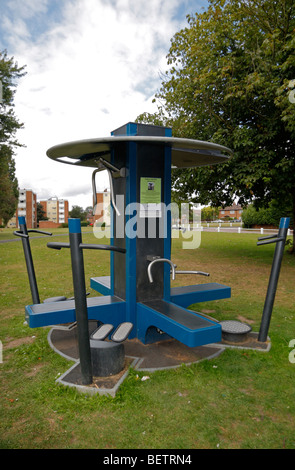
(186, 153)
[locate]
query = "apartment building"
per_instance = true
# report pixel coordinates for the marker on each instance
(103, 209)
(27, 207)
(57, 210)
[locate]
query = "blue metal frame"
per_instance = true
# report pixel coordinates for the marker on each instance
(101, 309)
(130, 241)
(199, 293)
(191, 337)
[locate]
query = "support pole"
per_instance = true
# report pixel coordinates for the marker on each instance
(280, 240)
(29, 260)
(80, 299)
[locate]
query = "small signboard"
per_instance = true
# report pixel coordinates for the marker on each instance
(150, 197)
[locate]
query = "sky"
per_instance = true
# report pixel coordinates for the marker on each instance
(92, 66)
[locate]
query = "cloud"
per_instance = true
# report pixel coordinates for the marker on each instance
(92, 66)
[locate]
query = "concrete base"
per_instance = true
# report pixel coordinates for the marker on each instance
(162, 355)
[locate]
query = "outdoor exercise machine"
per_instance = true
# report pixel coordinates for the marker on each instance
(280, 240)
(23, 232)
(138, 292)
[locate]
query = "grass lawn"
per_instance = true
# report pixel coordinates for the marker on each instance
(241, 400)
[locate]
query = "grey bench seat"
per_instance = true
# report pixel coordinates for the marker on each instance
(102, 308)
(187, 295)
(184, 325)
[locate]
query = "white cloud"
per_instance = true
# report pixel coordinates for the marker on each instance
(91, 71)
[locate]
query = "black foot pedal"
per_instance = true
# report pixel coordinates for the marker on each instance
(102, 332)
(122, 332)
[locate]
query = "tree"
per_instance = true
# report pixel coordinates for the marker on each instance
(41, 212)
(77, 212)
(231, 81)
(263, 216)
(209, 213)
(9, 72)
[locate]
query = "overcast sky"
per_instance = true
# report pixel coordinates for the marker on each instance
(92, 66)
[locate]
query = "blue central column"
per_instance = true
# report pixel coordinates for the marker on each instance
(148, 173)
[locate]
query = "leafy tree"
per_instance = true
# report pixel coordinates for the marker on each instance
(41, 212)
(263, 216)
(209, 213)
(78, 212)
(231, 81)
(9, 72)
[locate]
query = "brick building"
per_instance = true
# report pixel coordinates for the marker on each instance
(27, 207)
(57, 210)
(103, 211)
(234, 212)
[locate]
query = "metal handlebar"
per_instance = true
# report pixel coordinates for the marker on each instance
(271, 239)
(192, 272)
(58, 246)
(109, 167)
(18, 233)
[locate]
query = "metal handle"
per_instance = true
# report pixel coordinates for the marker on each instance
(58, 246)
(192, 272)
(268, 237)
(109, 167)
(94, 195)
(40, 231)
(17, 233)
(102, 247)
(268, 240)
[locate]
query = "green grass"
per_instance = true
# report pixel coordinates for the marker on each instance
(241, 400)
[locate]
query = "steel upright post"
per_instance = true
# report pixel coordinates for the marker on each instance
(80, 299)
(280, 240)
(29, 260)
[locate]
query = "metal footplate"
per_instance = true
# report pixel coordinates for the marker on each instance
(122, 332)
(102, 332)
(234, 331)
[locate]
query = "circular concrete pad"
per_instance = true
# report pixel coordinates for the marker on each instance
(161, 355)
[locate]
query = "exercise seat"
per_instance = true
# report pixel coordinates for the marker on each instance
(188, 327)
(100, 308)
(188, 295)
(59, 298)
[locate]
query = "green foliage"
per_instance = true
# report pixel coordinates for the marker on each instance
(263, 216)
(77, 212)
(209, 213)
(231, 72)
(40, 212)
(9, 72)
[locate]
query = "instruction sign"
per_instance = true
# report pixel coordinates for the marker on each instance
(150, 197)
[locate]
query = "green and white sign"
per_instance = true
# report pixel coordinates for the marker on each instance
(150, 197)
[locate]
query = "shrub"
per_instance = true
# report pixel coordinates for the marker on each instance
(263, 216)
